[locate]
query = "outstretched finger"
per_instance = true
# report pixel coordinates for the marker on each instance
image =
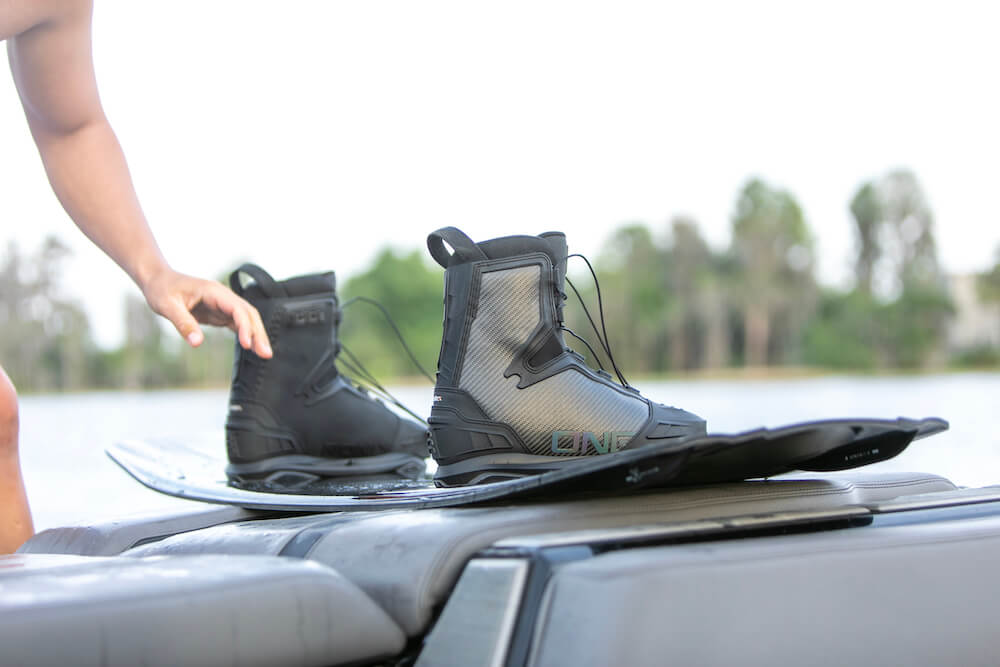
(244, 329)
(261, 344)
(184, 322)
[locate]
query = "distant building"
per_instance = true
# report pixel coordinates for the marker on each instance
(976, 323)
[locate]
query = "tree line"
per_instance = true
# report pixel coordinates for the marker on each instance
(678, 304)
(671, 303)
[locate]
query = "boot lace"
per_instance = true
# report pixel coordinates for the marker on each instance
(362, 378)
(602, 340)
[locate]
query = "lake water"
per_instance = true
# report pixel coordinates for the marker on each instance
(70, 480)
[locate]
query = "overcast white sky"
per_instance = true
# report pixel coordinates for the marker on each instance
(305, 135)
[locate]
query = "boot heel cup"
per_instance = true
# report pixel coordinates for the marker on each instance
(453, 438)
(446, 441)
(246, 446)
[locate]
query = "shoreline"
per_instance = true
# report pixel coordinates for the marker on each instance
(737, 375)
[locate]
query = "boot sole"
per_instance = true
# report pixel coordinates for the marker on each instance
(281, 466)
(500, 467)
(294, 470)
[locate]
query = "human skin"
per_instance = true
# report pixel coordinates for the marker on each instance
(15, 518)
(49, 49)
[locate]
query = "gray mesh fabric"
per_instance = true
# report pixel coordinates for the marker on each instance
(508, 313)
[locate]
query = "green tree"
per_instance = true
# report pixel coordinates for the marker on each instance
(686, 267)
(917, 319)
(46, 340)
(665, 304)
(989, 292)
(411, 292)
(916, 322)
(636, 300)
(910, 246)
(989, 282)
(867, 212)
(211, 363)
(773, 252)
(143, 365)
(698, 280)
(897, 314)
(846, 332)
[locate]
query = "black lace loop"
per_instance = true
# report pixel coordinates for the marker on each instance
(602, 340)
(584, 341)
(561, 296)
(354, 365)
(395, 329)
(363, 378)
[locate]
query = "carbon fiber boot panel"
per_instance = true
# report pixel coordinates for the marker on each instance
(568, 402)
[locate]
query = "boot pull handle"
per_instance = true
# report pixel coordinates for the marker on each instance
(263, 279)
(464, 247)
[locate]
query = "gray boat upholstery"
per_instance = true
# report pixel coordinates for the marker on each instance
(188, 610)
(408, 561)
(113, 537)
(911, 594)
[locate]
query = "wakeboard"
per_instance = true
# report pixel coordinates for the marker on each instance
(178, 469)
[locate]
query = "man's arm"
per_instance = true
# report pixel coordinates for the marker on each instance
(54, 74)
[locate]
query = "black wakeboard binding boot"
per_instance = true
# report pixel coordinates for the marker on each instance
(294, 419)
(511, 399)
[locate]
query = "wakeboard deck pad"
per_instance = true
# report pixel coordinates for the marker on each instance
(198, 473)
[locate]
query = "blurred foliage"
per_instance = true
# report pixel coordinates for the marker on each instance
(671, 303)
(866, 209)
(676, 304)
(45, 340)
(411, 292)
(856, 331)
(916, 326)
(979, 357)
(773, 253)
(989, 283)
(846, 331)
(46, 343)
(665, 303)
(897, 314)
(908, 239)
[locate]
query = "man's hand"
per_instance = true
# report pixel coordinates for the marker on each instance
(186, 301)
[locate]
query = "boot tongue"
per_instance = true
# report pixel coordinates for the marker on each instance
(315, 283)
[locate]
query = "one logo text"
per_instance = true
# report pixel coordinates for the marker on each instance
(579, 442)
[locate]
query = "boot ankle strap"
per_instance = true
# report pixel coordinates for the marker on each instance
(267, 284)
(464, 247)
